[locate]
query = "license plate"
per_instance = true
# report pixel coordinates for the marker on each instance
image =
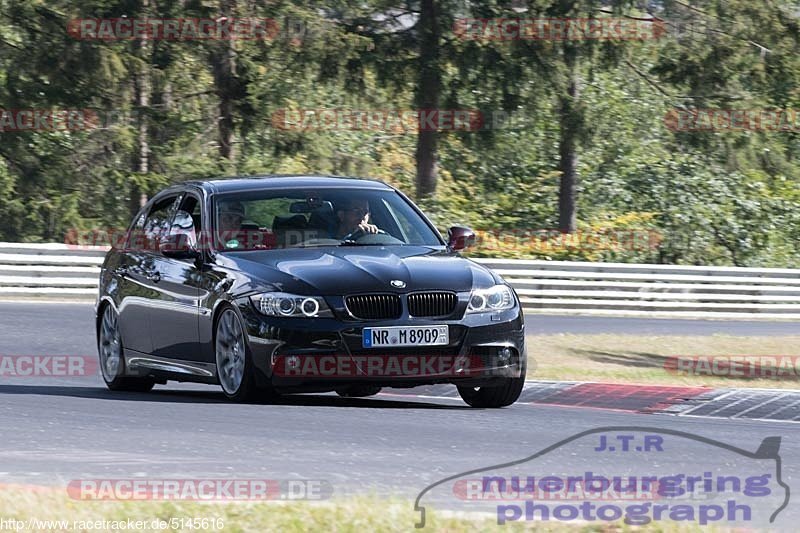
(405, 336)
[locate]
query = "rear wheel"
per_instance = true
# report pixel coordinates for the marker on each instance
(112, 362)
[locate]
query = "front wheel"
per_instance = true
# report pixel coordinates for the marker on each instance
(235, 369)
(112, 362)
(358, 391)
(501, 395)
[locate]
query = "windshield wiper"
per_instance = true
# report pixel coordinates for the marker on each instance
(350, 242)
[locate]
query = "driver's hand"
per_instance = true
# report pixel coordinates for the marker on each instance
(368, 228)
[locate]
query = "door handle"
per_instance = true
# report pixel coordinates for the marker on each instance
(155, 277)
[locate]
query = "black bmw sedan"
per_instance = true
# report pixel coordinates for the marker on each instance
(279, 284)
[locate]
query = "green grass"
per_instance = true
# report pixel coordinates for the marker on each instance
(356, 515)
(641, 358)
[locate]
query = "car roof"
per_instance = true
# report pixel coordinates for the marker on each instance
(284, 181)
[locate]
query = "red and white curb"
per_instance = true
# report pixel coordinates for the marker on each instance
(745, 404)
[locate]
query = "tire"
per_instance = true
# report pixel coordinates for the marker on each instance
(497, 396)
(235, 369)
(110, 351)
(358, 391)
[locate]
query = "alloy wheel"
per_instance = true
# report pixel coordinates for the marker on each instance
(230, 352)
(110, 345)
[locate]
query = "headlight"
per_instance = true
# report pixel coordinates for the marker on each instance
(291, 305)
(496, 298)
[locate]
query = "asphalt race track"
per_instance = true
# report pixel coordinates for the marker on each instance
(69, 320)
(59, 429)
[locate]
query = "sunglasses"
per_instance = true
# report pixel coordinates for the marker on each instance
(361, 211)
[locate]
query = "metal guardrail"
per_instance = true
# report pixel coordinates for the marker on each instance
(648, 290)
(62, 271)
(49, 270)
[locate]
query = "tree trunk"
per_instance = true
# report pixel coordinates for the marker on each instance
(427, 98)
(570, 124)
(224, 65)
(141, 88)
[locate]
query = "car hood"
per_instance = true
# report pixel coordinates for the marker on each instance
(351, 270)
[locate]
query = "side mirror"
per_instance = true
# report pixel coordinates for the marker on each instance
(178, 246)
(459, 238)
(180, 242)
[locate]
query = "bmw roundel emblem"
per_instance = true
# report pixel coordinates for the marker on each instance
(398, 283)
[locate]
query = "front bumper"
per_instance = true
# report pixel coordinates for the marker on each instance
(474, 356)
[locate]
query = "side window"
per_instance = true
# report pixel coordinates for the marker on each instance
(158, 221)
(134, 239)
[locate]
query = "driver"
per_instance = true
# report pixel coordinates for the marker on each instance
(353, 215)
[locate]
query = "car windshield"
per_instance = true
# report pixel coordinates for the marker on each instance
(274, 219)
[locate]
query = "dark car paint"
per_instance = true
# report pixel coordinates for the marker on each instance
(167, 306)
(330, 271)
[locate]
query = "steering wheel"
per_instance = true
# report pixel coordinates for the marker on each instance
(360, 233)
